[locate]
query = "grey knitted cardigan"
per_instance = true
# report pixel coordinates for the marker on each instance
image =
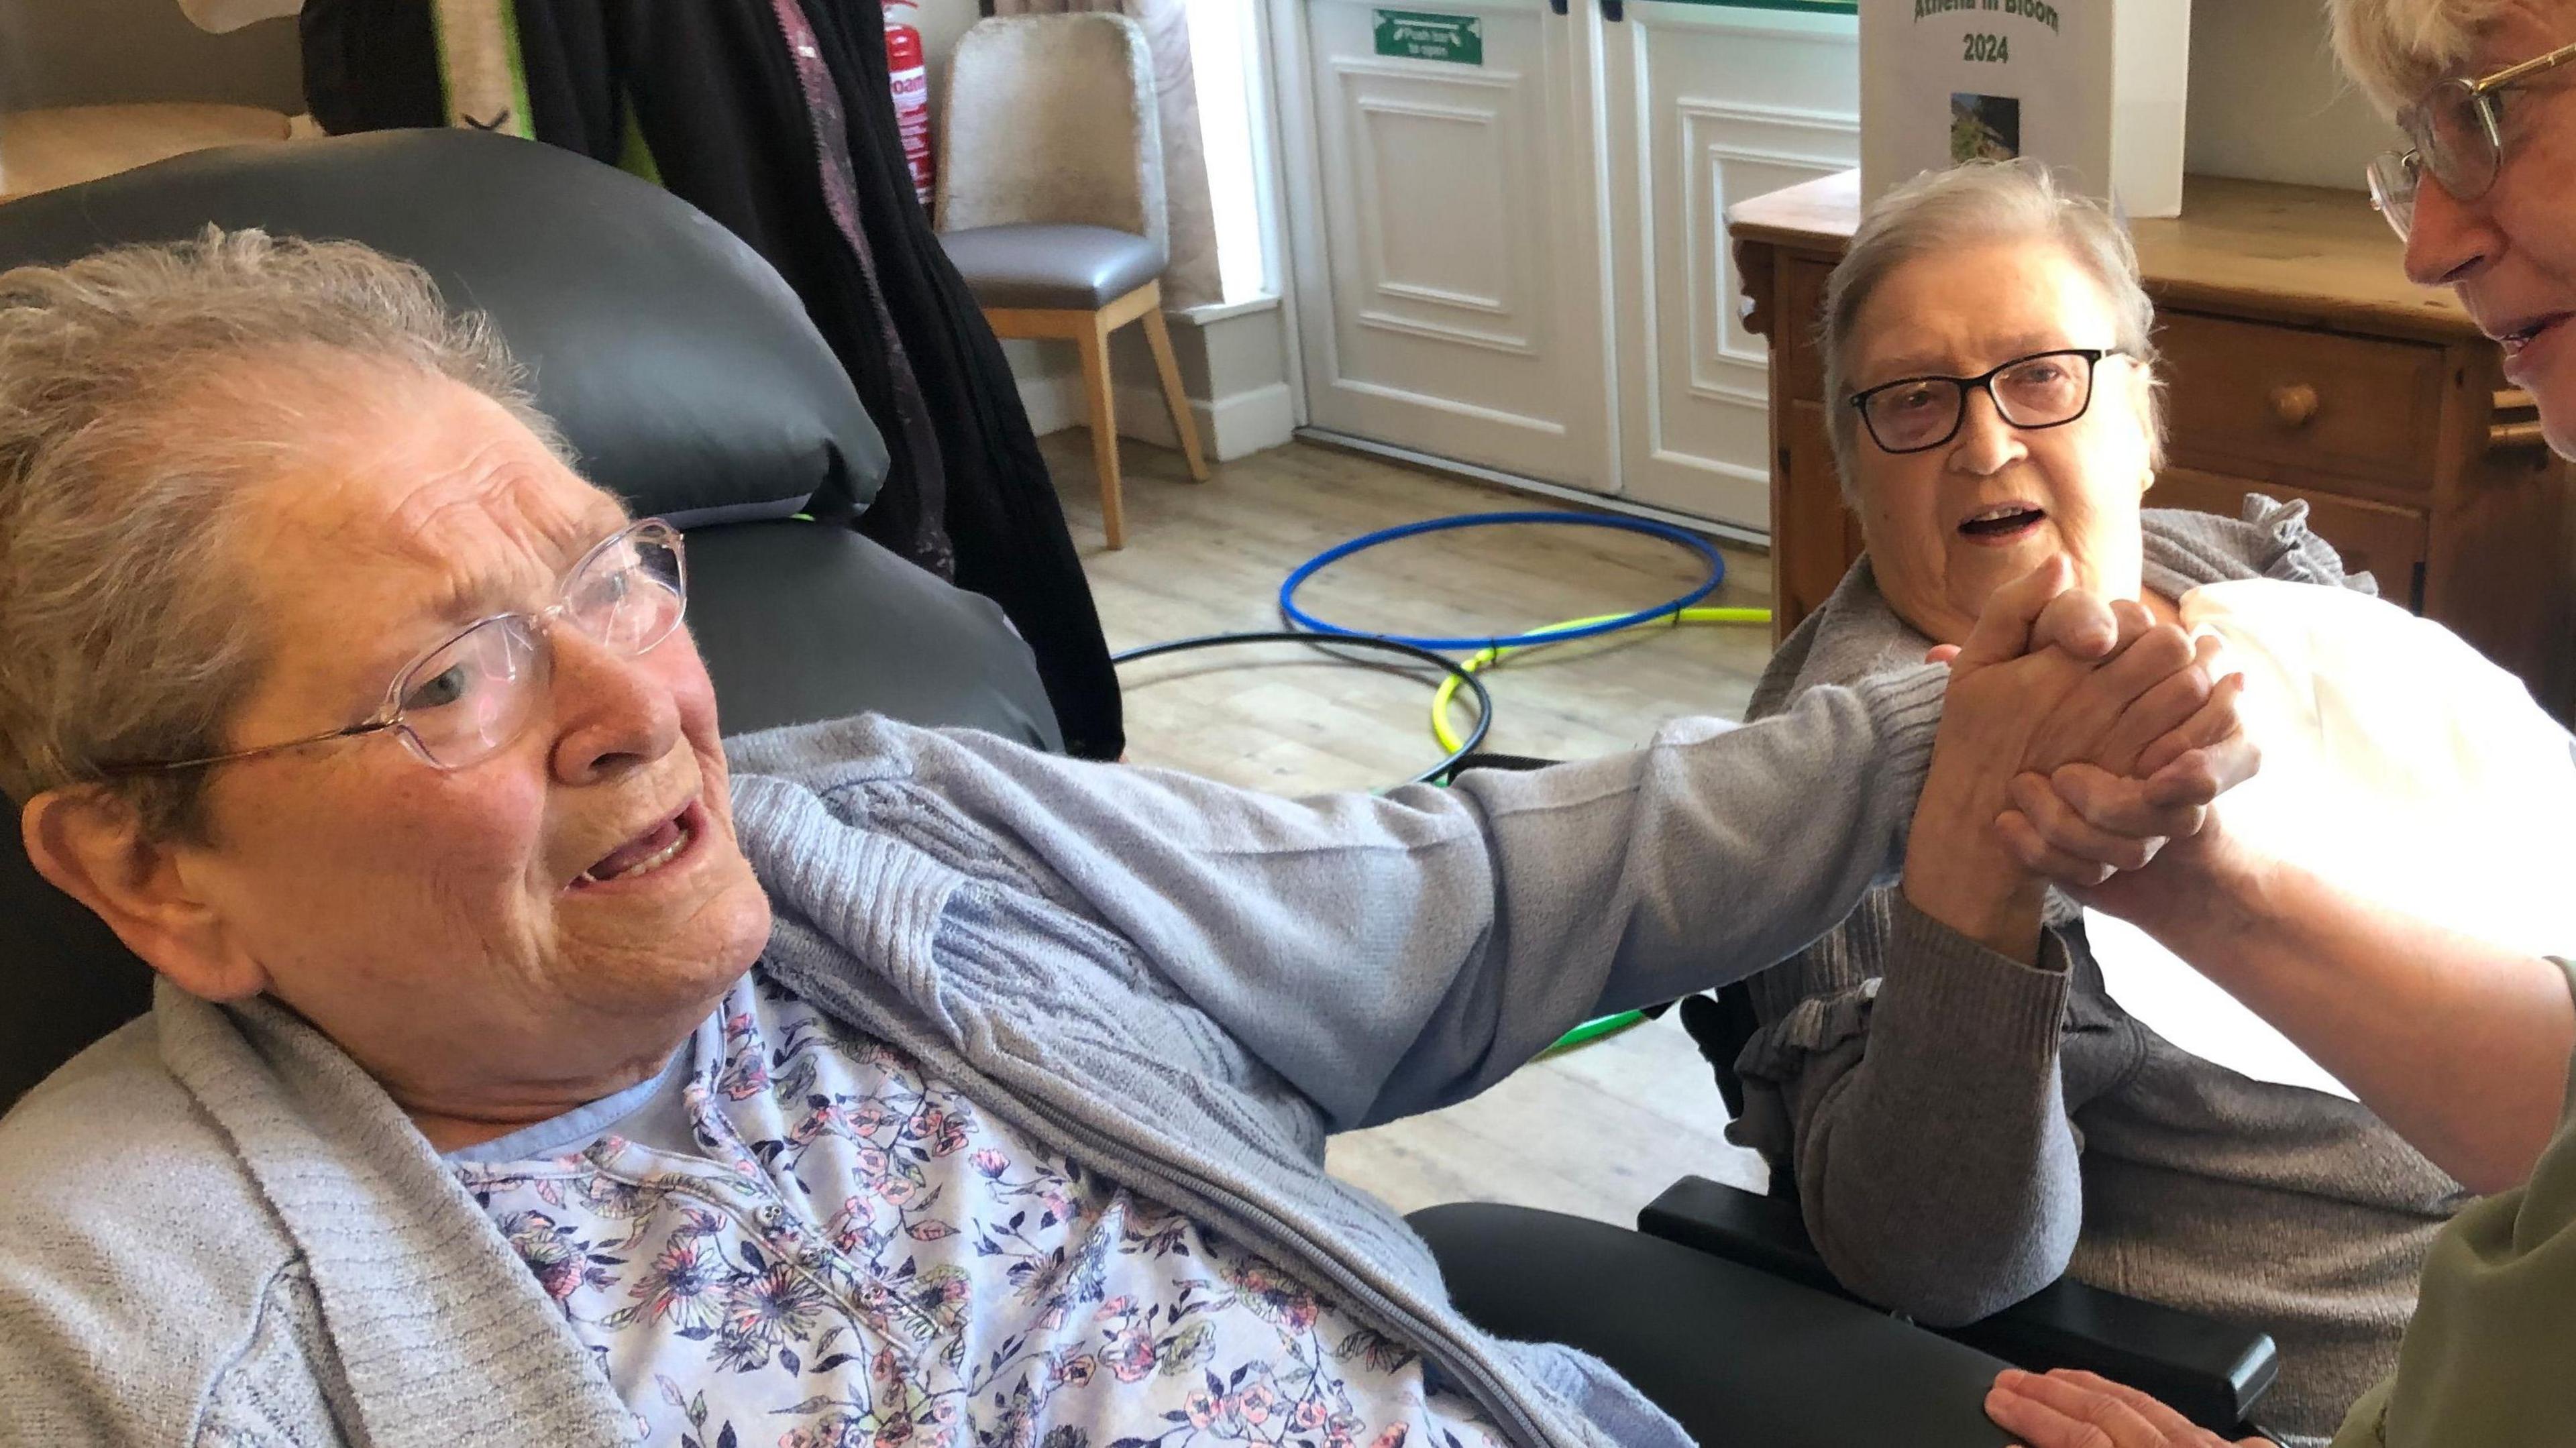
(216, 1230)
(1965, 1128)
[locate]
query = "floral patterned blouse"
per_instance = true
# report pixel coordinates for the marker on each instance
(795, 1237)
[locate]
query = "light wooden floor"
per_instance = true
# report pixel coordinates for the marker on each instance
(1598, 1131)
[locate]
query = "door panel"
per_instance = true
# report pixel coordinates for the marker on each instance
(1711, 105)
(1453, 296)
(1522, 261)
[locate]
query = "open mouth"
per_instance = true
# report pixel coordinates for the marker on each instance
(2529, 332)
(648, 852)
(2002, 523)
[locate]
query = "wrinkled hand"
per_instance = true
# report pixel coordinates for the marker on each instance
(2052, 677)
(2100, 837)
(2068, 1409)
(2086, 681)
(2117, 845)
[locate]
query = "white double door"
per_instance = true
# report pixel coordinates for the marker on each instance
(1509, 232)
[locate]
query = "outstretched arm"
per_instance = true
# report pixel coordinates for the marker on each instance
(1390, 954)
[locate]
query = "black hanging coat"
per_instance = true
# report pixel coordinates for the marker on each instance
(716, 94)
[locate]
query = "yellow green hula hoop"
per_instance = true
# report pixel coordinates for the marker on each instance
(1487, 658)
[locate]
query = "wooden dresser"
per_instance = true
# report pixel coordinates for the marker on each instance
(2299, 362)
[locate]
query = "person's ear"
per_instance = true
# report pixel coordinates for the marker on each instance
(92, 846)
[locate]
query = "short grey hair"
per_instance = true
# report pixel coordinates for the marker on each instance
(137, 402)
(2396, 49)
(1971, 205)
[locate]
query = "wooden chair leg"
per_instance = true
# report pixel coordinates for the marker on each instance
(1159, 337)
(1104, 430)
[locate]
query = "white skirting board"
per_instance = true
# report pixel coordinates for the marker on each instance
(1229, 427)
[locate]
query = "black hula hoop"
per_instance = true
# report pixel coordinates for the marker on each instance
(1466, 679)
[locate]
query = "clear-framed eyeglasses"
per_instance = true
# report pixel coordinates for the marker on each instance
(2456, 133)
(471, 695)
(2044, 389)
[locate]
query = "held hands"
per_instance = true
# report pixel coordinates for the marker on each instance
(2068, 1409)
(2091, 832)
(2138, 718)
(2054, 680)
(2078, 739)
(2077, 829)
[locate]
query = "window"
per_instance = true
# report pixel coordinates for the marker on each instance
(1226, 64)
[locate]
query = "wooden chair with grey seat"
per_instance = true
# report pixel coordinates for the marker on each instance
(1051, 203)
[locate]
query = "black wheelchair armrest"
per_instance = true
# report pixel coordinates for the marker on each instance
(1729, 1222)
(2208, 1371)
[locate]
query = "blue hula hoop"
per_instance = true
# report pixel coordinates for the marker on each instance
(1339, 551)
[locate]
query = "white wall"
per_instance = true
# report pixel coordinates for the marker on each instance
(2267, 102)
(97, 52)
(940, 23)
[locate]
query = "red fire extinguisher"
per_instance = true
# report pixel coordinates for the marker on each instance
(910, 72)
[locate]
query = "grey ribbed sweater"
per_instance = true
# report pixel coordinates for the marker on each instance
(1965, 1128)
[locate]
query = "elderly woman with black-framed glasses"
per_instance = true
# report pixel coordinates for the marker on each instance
(1966, 1109)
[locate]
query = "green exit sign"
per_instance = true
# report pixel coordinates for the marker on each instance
(1416, 35)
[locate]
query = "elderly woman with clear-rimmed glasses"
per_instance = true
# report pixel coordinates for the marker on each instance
(2445, 1036)
(530, 1068)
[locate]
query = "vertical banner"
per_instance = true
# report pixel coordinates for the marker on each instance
(2091, 88)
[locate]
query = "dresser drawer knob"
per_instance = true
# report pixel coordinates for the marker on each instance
(2295, 404)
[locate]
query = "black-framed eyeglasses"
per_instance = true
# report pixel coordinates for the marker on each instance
(2456, 132)
(2044, 389)
(465, 699)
